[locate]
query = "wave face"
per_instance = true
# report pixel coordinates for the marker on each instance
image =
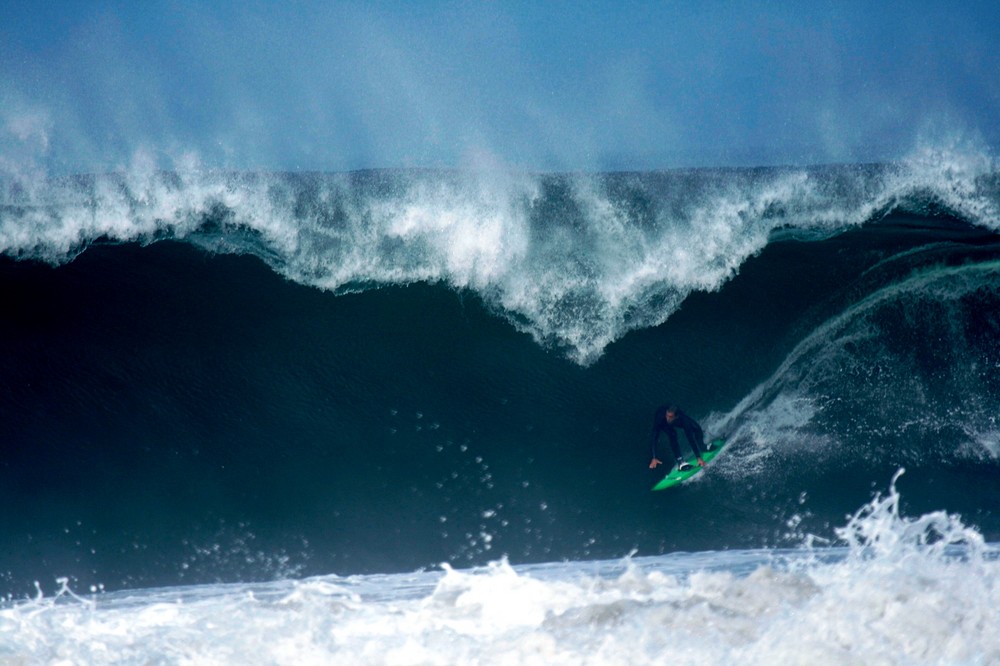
(247, 376)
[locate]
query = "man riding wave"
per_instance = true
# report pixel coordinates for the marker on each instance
(668, 418)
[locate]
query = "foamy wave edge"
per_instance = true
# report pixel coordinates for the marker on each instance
(575, 260)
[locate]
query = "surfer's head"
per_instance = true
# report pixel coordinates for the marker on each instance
(671, 413)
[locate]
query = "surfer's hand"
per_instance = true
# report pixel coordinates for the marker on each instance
(654, 462)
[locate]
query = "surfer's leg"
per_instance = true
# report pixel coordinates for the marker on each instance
(675, 448)
(696, 438)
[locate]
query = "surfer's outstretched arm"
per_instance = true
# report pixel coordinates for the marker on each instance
(654, 437)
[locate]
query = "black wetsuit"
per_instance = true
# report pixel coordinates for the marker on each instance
(691, 429)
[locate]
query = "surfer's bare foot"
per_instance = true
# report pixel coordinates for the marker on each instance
(701, 463)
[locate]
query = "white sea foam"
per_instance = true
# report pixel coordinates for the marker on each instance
(901, 590)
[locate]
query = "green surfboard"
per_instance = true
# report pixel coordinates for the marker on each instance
(676, 477)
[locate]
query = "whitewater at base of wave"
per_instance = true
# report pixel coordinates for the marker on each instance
(902, 590)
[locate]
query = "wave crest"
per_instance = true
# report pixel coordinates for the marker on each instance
(575, 260)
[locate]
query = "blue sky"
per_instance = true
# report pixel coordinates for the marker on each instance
(538, 85)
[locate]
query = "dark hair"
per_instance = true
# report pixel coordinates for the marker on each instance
(673, 408)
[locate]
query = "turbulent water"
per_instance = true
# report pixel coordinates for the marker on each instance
(274, 397)
(902, 591)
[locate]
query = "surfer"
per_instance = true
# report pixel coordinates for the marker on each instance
(667, 419)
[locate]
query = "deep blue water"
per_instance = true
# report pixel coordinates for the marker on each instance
(237, 377)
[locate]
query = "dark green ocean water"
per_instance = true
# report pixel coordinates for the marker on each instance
(186, 404)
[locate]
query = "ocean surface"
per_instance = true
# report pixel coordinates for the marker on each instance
(403, 416)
